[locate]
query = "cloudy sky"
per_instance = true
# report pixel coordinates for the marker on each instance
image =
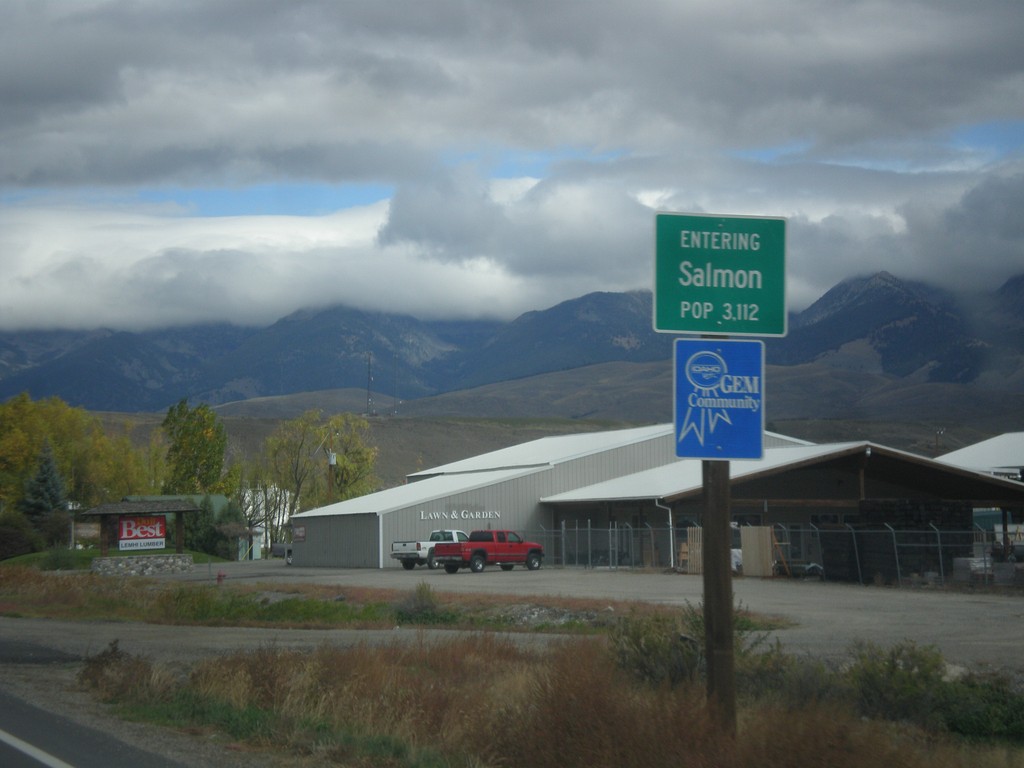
(174, 161)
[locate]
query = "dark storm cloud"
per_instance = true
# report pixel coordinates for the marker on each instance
(452, 217)
(976, 243)
(527, 145)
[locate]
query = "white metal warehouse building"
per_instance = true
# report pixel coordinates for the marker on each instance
(501, 489)
(632, 478)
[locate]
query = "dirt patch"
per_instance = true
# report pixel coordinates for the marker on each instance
(530, 616)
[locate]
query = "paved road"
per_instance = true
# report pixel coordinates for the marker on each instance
(30, 736)
(47, 720)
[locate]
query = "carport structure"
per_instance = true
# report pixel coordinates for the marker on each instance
(845, 486)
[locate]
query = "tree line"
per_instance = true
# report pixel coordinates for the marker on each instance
(57, 460)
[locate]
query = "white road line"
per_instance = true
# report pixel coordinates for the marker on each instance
(45, 758)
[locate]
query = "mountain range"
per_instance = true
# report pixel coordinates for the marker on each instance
(871, 347)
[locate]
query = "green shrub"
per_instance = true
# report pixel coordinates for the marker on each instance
(902, 683)
(188, 604)
(423, 607)
(59, 558)
(315, 612)
(792, 682)
(657, 648)
(17, 536)
(983, 708)
(660, 648)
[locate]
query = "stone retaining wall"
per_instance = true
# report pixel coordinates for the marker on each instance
(142, 565)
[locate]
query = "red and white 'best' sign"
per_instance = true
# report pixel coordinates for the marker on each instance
(141, 532)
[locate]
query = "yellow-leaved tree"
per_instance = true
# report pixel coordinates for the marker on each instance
(298, 460)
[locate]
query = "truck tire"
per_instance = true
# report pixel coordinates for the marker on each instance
(477, 563)
(533, 561)
(408, 564)
(451, 568)
(431, 564)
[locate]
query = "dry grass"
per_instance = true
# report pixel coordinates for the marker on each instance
(480, 701)
(79, 595)
(477, 700)
(34, 593)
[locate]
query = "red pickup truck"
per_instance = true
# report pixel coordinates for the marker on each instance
(504, 548)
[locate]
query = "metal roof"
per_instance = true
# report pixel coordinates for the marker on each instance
(505, 464)
(998, 454)
(685, 477)
(547, 451)
(420, 492)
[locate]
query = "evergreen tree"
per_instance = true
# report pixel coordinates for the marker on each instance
(44, 502)
(200, 529)
(213, 533)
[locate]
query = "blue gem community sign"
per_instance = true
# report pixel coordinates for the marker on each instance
(719, 399)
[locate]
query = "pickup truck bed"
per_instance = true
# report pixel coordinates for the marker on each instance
(413, 553)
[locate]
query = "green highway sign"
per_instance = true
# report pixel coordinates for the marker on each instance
(720, 275)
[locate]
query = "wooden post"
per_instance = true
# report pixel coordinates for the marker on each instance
(1006, 534)
(718, 598)
(105, 534)
(179, 532)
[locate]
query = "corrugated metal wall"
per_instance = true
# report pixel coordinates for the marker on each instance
(360, 541)
(511, 504)
(342, 541)
(617, 462)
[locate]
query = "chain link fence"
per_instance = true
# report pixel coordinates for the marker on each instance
(881, 556)
(615, 546)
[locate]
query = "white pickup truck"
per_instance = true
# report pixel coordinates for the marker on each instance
(413, 553)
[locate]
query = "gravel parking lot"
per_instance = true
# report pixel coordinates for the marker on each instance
(979, 628)
(971, 628)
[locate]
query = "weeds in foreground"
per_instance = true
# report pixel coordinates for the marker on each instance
(479, 701)
(631, 698)
(911, 684)
(906, 683)
(28, 592)
(669, 648)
